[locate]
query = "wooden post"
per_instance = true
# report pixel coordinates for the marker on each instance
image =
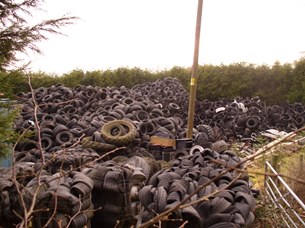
(275, 161)
(193, 84)
(275, 165)
(265, 177)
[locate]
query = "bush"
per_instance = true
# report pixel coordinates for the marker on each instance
(7, 133)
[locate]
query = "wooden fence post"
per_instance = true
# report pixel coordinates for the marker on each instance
(275, 161)
(275, 164)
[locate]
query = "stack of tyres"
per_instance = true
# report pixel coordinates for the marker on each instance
(229, 199)
(79, 126)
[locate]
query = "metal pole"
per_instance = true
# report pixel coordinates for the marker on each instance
(193, 84)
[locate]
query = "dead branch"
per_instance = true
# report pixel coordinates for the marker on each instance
(16, 183)
(182, 226)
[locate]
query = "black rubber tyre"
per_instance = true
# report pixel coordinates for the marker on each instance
(147, 128)
(77, 131)
(208, 130)
(142, 115)
(64, 138)
(160, 199)
(87, 142)
(127, 137)
(81, 185)
(192, 216)
(299, 121)
(252, 122)
(220, 146)
(59, 128)
(80, 220)
(46, 132)
(145, 196)
(47, 143)
(49, 118)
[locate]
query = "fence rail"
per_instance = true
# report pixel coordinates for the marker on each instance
(284, 198)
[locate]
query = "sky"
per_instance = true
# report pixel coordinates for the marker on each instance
(159, 34)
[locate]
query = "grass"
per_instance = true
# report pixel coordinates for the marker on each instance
(266, 214)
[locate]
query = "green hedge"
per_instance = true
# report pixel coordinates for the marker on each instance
(273, 84)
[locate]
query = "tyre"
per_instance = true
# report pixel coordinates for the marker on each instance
(252, 122)
(47, 143)
(208, 130)
(64, 138)
(87, 142)
(112, 132)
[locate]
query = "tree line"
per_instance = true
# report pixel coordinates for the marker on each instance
(273, 84)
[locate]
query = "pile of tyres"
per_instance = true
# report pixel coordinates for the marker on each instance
(87, 157)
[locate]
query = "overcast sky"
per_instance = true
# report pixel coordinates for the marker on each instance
(159, 34)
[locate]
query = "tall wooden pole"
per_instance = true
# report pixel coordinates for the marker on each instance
(194, 77)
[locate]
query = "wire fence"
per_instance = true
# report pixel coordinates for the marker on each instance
(284, 198)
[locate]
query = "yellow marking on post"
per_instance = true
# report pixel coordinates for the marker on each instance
(193, 81)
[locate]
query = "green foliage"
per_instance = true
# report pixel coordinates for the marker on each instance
(183, 74)
(12, 82)
(297, 89)
(273, 84)
(40, 79)
(72, 79)
(17, 36)
(127, 77)
(7, 133)
(118, 77)
(224, 81)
